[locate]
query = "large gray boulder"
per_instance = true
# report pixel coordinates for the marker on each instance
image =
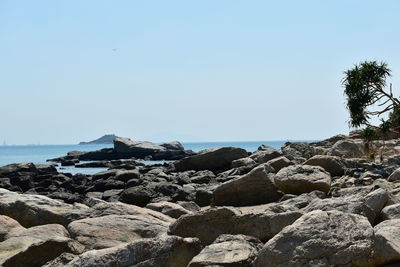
(175, 145)
(368, 206)
(349, 148)
(255, 187)
(267, 153)
(298, 151)
(166, 251)
(207, 225)
(125, 147)
(142, 148)
(113, 230)
(331, 164)
(228, 250)
(36, 245)
(31, 210)
(279, 163)
(211, 159)
(298, 179)
(387, 242)
(321, 238)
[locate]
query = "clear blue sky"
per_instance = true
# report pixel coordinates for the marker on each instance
(208, 70)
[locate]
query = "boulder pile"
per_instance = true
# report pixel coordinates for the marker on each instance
(307, 204)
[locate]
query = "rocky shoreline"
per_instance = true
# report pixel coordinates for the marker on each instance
(330, 203)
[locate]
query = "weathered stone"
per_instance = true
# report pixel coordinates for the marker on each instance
(387, 242)
(266, 154)
(8, 226)
(104, 208)
(228, 250)
(113, 230)
(30, 210)
(207, 225)
(349, 204)
(243, 162)
(137, 195)
(395, 176)
(390, 212)
(349, 148)
(175, 145)
(331, 164)
(321, 238)
(168, 251)
(168, 208)
(211, 159)
(255, 187)
(36, 246)
(299, 179)
(279, 163)
(298, 150)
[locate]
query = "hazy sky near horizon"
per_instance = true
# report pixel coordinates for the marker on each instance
(207, 70)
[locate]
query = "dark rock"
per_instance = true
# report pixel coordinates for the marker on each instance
(255, 187)
(139, 195)
(211, 159)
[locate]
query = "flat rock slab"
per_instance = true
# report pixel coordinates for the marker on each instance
(228, 250)
(113, 230)
(30, 210)
(207, 225)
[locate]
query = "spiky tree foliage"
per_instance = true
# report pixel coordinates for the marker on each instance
(365, 89)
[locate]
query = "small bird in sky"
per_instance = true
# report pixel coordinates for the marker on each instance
(114, 49)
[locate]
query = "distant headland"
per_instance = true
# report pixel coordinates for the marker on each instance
(105, 139)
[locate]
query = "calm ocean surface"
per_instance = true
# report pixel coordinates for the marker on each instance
(40, 153)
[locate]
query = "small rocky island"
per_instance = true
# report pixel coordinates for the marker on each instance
(326, 203)
(105, 139)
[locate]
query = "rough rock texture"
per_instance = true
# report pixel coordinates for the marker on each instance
(30, 210)
(207, 225)
(255, 187)
(321, 238)
(36, 245)
(279, 163)
(299, 179)
(170, 209)
(390, 212)
(349, 204)
(265, 154)
(331, 164)
(395, 176)
(349, 148)
(113, 230)
(165, 252)
(8, 226)
(228, 250)
(211, 159)
(387, 242)
(298, 151)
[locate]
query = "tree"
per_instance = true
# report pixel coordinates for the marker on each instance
(366, 96)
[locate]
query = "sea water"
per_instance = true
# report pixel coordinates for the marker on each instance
(41, 153)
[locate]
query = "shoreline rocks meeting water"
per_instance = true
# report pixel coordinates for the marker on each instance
(326, 203)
